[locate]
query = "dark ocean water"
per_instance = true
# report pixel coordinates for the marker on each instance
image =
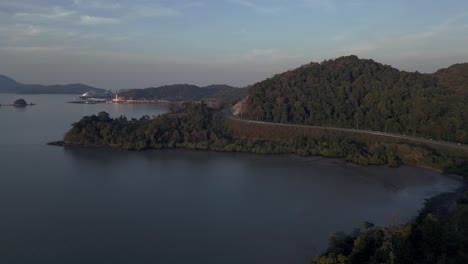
(89, 205)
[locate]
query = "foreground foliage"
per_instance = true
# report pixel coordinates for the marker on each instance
(428, 239)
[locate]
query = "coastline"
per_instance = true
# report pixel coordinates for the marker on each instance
(318, 158)
(62, 143)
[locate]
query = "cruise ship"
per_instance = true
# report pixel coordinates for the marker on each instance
(93, 98)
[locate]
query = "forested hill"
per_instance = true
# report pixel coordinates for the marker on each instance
(356, 93)
(186, 92)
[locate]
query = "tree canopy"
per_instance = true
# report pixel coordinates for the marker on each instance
(356, 93)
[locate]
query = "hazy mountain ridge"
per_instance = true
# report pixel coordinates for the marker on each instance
(7, 82)
(359, 93)
(9, 85)
(186, 92)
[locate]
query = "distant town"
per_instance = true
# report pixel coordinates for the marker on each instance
(110, 97)
(92, 97)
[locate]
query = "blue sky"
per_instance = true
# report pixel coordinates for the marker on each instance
(141, 43)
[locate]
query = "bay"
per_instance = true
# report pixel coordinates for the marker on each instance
(97, 205)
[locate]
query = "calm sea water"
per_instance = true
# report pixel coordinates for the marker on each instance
(89, 205)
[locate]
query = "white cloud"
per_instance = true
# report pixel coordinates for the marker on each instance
(57, 13)
(94, 20)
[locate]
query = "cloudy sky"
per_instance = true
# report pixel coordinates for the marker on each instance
(141, 43)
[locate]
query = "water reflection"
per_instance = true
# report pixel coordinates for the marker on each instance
(95, 156)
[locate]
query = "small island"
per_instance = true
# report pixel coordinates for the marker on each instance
(20, 103)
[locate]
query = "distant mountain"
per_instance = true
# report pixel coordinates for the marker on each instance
(350, 92)
(77, 88)
(186, 92)
(8, 85)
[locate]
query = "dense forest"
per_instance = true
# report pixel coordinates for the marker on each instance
(188, 93)
(356, 93)
(429, 239)
(191, 126)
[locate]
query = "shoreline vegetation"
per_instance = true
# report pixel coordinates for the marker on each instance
(438, 234)
(197, 126)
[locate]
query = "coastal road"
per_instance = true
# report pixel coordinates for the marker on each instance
(229, 115)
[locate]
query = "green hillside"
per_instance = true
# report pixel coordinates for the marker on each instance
(357, 93)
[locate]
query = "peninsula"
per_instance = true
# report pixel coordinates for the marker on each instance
(363, 104)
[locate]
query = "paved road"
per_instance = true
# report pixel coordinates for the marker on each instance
(369, 132)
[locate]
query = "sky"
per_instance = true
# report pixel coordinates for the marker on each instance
(125, 44)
